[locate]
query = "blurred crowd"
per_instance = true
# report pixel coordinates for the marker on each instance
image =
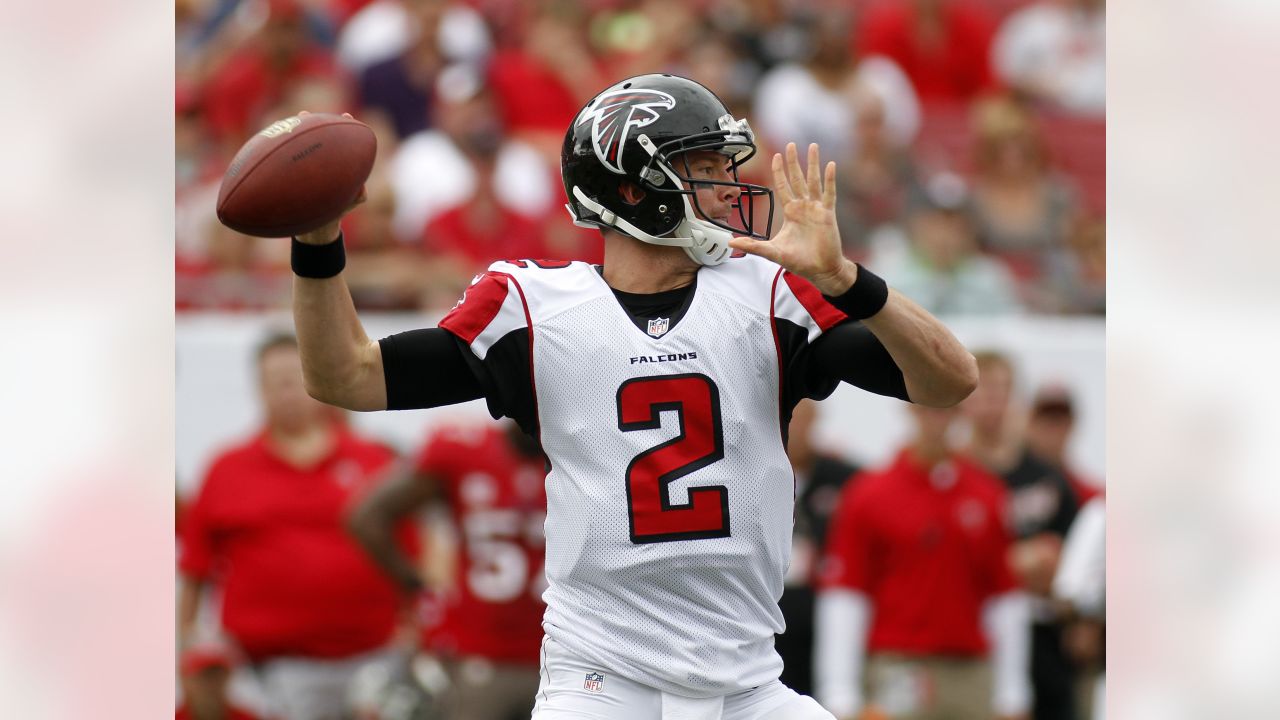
(969, 134)
(321, 577)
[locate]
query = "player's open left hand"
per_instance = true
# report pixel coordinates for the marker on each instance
(809, 242)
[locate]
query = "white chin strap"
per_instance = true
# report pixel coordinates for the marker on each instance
(705, 243)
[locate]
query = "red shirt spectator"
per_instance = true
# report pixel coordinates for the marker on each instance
(530, 95)
(927, 546)
(942, 45)
(497, 500)
(480, 232)
(256, 78)
(293, 582)
(542, 82)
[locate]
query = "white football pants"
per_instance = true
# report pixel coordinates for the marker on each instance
(573, 689)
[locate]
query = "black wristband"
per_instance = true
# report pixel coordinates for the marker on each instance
(864, 298)
(318, 261)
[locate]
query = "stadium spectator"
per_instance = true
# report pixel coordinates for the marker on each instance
(720, 63)
(430, 172)
(916, 580)
(229, 271)
(258, 75)
(1049, 431)
(399, 88)
(819, 477)
(383, 273)
(1042, 506)
(941, 268)
(205, 671)
(488, 632)
(298, 598)
(1076, 275)
(1055, 52)
(540, 84)
(944, 46)
(876, 181)
(815, 98)
(463, 240)
(1022, 209)
(642, 36)
(384, 29)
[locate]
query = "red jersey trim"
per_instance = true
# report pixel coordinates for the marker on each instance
(479, 305)
(824, 313)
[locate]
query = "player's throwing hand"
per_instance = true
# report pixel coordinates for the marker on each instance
(809, 242)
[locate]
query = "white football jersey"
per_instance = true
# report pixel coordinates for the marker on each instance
(670, 494)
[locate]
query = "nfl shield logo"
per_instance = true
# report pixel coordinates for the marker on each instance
(594, 683)
(658, 327)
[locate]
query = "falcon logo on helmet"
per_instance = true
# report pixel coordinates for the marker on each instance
(613, 116)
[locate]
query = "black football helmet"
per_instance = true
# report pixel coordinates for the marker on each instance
(639, 131)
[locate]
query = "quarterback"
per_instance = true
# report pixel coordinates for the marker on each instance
(660, 386)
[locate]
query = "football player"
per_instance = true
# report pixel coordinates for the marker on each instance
(484, 623)
(660, 386)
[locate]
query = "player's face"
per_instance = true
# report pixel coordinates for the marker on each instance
(284, 397)
(714, 201)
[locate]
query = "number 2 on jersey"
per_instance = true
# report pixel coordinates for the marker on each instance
(696, 401)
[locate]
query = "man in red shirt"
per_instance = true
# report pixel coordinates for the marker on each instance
(487, 621)
(916, 576)
(298, 598)
(944, 46)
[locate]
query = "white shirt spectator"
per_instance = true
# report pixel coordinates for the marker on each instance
(430, 174)
(384, 28)
(1058, 52)
(978, 285)
(792, 106)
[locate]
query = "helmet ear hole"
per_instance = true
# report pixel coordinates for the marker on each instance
(630, 193)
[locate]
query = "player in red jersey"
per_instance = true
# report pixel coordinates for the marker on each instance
(488, 629)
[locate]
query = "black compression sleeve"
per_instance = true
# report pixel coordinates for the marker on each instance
(425, 368)
(850, 352)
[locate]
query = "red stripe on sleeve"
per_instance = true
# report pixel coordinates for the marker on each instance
(824, 313)
(478, 307)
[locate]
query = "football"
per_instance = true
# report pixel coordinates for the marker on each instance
(296, 175)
